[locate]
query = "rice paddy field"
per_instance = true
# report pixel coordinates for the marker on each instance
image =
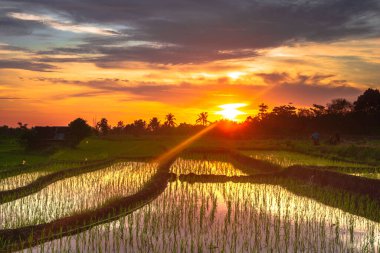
(287, 158)
(221, 209)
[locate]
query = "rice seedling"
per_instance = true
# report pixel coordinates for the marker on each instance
(244, 218)
(219, 166)
(76, 194)
(286, 159)
(272, 215)
(20, 180)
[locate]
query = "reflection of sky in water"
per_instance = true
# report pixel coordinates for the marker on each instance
(186, 166)
(369, 175)
(20, 180)
(76, 194)
(247, 218)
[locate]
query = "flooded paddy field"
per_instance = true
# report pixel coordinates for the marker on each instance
(247, 214)
(287, 158)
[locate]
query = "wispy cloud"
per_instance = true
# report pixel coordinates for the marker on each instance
(300, 89)
(63, 25)
(10, 98)
(27, 65)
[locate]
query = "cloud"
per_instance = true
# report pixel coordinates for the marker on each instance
(198, 31)
(10, 98)
(277, 78)
(283, 88)
(27, 65)
(62, 25)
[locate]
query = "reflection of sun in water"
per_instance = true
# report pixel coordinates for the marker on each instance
(230, 111)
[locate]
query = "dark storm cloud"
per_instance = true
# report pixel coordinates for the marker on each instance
(199, 31)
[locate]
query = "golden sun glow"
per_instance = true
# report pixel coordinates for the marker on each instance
(230, 111)
(234, 75)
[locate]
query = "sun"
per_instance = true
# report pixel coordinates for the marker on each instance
(234, 75)
(230, 111)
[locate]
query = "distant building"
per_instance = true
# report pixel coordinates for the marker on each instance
(51, 133)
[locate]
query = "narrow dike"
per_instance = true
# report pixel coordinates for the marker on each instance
(359, 185)
(322, 176)
(26, 237)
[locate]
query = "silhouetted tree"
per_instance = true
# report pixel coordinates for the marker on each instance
(249, 119)
(263, 109)
(202, 118)
(103, 126)
(305, 113)
(368, 102)
(154, 124)
(78, 130)
(140, 124)
(318, 110)
(22, 126)
(339, 106)
(119, 128)
(284, 111)
(137, 128)
(170, 120)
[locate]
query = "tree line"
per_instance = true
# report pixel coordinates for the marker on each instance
(339, 116)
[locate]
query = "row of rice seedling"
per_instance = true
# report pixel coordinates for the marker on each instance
(76, 194)
(286, 159)
(229, 217)
(20, 180)
(49, 167)
(218, 166)
(18, 177)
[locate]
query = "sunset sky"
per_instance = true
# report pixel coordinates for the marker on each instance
(125, 60)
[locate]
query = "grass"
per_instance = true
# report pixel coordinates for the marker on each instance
(360, 150)
(12, 154)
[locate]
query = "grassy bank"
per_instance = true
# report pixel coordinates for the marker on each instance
(357, 150)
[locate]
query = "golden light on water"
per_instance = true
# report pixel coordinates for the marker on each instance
(230, 111)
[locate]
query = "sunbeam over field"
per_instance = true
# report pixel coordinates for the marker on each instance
(190, 126)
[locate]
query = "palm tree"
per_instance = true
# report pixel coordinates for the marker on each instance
(202, 118)
(170, 120)
(154, 124)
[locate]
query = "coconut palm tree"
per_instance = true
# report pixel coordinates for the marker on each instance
(170, 120)
(154, 124)
(202, 118)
